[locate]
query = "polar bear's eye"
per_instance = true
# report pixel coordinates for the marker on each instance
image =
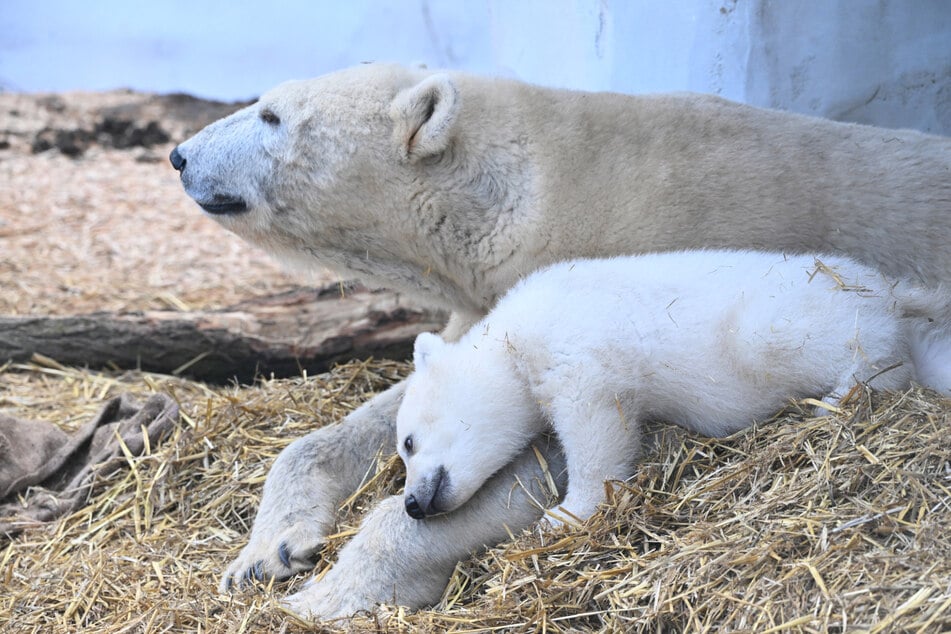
(408, 444)
(268, 116)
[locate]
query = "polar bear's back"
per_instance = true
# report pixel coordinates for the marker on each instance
(709, 339)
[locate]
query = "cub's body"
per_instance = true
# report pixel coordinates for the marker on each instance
(711, 340)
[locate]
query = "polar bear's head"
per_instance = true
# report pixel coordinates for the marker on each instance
(462, 418)
(375, 171)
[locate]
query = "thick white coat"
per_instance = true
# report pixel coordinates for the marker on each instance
(710, 340)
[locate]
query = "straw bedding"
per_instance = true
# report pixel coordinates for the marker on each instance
(828, 524)
(832, 524)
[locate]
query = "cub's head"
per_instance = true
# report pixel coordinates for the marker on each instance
(461, 420)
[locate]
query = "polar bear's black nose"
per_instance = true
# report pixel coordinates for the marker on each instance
(413, 508)
(178, 161)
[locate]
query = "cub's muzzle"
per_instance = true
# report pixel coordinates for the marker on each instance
(429, 496)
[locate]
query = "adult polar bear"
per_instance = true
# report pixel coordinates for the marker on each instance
(451, 187)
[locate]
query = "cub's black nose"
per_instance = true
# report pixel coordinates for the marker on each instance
(178, 161)
(413, 509)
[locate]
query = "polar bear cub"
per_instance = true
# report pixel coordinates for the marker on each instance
(710, 340)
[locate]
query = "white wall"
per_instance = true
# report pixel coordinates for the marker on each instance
(886, 62)
(226, 49)
(876, 61)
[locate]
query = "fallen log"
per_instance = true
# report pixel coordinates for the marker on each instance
(306, 329)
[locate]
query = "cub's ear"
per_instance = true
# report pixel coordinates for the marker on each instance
(424, 116)
(426, 344)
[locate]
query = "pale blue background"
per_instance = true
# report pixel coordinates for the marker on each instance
(876, 61)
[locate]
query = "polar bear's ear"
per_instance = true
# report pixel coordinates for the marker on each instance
(424, 116)
(426, 344)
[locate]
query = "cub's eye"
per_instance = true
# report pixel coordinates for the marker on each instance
(408, 445)
(268, 116)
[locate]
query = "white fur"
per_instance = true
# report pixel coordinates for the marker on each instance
(710, 340)
(451, 187)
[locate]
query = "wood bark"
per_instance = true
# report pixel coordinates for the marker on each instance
(305, 329)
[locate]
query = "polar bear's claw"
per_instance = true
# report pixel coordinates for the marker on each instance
(266, 557)
(284, 554)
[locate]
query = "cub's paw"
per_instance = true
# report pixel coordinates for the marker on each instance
(277, 554)
(829, 406)
(562, 515)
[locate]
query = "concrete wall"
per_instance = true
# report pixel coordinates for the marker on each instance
(886, 62)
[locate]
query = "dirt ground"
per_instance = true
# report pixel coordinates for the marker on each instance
(93, 217)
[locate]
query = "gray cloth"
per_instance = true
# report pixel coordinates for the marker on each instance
(45, 472)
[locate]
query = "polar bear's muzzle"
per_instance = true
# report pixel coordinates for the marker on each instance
(221, 204)
(429, 496)
(217, 204)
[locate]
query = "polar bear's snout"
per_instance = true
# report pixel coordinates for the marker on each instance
(178, 161)
(215, 203)
(428, 497)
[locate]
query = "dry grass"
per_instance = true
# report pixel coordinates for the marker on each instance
(145, 553)
(829, 524)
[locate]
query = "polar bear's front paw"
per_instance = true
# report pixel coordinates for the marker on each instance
(392, 559)
(322, 600)
(276, 554)
(362, 577)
